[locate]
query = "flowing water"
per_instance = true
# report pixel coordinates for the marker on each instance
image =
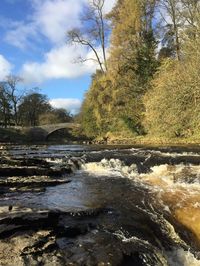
(141, 205)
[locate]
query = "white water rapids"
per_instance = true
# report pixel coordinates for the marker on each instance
(163, 180)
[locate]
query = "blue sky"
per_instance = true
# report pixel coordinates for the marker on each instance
(33, 45)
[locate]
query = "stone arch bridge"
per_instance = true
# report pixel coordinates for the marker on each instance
(42, 133)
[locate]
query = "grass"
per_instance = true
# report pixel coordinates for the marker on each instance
(147, 140)
(11, 135)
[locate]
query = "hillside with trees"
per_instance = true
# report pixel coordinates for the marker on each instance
(148, 80)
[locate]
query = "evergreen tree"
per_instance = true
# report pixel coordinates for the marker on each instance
(132, 62)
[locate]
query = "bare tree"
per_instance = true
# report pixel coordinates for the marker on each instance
(191, 14)
(172, 10)
(93, 32)
(149, 7)
(5, 108)
(14, 95)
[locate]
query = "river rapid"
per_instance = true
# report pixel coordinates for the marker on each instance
(100, 205)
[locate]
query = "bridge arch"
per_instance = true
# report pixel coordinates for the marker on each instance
(49, 134)
(43, 132)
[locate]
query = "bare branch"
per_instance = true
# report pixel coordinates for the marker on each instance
(93, 32)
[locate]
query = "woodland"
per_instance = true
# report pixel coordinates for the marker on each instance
(148, 80)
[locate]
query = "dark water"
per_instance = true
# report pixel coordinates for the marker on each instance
(139, 204)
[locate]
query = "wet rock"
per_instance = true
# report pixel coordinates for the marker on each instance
(93, 247)
(27, 174)
(31, 171)
(33, 181)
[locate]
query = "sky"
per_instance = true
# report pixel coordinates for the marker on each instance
(33, 45)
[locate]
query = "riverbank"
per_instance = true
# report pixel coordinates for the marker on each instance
(146, 140)
(15, 136)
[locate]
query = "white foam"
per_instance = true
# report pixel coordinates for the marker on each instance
(110, 167)
(54, 161)
(181, 257)
(100, 168)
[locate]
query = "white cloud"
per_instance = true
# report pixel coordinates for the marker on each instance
(109, 4)
(58, 63)
(50, 18)
(20, 34)
(72, 105)
(56, 17)
(5, 67)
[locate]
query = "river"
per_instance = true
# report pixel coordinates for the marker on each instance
(100, 205)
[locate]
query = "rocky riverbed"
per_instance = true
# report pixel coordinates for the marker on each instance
(89, 205)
